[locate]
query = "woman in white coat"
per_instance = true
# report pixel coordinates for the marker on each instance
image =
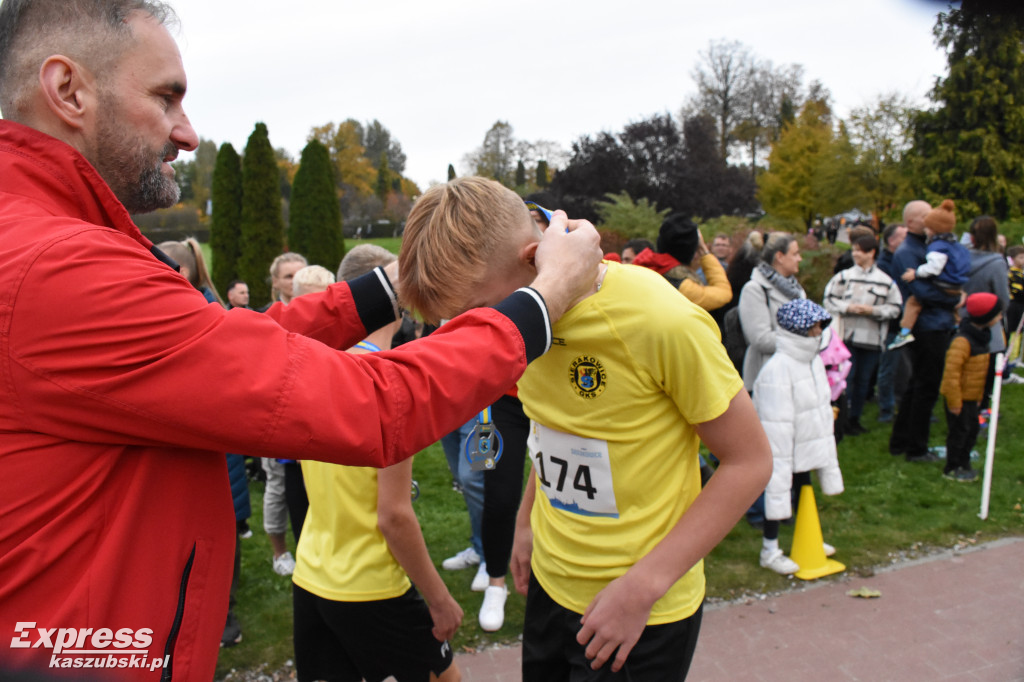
(793, 400)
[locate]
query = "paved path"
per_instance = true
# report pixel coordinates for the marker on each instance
(956, 616)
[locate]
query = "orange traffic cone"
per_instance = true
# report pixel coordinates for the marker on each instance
(808, 549)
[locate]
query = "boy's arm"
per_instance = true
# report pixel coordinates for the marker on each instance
(618, 614)
(934, 261)
(400, 528)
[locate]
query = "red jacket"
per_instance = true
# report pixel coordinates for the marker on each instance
(121, 388)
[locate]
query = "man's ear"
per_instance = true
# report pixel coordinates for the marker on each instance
(68, 90)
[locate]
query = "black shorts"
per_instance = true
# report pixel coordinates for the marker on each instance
(550, 650)
(348, 641)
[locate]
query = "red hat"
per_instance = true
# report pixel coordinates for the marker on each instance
(983, 307)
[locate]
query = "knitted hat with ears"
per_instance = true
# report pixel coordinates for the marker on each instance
(942, 219)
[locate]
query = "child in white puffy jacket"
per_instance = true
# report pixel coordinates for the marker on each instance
(793, 400)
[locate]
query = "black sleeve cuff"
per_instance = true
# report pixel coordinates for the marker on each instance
(527, 310)
(375, 299)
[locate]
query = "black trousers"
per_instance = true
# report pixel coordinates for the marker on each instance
(911, 428)
(503, 485)
(962, 436)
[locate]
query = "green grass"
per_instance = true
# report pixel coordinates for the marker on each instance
(891, 510)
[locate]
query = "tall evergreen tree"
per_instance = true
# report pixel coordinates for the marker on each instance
(542, 174)
(262, 225)
(226, 221)
(314, 228)
(520, 174)
(971, 145)
(383, 179)
(451, 172)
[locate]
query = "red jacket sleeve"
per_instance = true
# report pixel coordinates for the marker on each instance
(132, 355)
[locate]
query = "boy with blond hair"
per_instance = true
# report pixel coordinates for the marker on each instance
(611, 549)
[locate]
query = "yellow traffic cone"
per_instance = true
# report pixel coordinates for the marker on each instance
(808, 549)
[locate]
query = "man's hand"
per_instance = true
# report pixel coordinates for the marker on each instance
(447, 616)
(613, 623)
(566, 263)
(909, 276)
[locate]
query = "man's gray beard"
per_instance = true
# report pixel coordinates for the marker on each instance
(151, 190)
(131, 168)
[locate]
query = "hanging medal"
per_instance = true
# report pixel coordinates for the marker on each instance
(483, 445)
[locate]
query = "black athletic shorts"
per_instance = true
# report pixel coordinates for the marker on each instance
(348, 641)
(551, 653)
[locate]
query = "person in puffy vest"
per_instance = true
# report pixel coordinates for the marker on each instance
(963, 382)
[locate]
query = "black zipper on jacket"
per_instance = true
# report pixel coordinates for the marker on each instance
(176, 625)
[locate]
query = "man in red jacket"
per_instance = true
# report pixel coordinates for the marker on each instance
(117, 535)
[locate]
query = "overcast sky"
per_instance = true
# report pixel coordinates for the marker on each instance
(439, 73)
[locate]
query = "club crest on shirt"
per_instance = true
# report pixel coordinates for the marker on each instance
(587, 376)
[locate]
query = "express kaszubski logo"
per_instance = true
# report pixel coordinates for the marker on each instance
(90, 647)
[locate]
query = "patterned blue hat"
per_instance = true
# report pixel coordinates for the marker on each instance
(800, 314)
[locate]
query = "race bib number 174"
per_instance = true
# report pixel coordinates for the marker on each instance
(573, 472)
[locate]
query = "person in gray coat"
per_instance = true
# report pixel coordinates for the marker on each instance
(772, 283)
(989, 272)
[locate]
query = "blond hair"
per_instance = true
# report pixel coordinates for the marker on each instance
(310, 279)
(363, 258)
(455, 237)
(189, 255)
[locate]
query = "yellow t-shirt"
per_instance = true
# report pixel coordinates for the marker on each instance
(632, 367)
(342, 554)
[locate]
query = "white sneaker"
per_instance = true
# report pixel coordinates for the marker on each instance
(829, 549)
(464, 559)
(284, 564)
(778, 562)
(492, 611)
(1013, 379)
(481, 580)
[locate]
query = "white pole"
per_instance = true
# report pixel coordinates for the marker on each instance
(993, 424)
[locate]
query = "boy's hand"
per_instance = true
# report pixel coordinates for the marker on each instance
(522, 551)
(613, 623)
(909, 276)
(566, 263)
(447, 616)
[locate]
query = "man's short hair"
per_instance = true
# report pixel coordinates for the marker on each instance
(453, 240)
(637, 245)
(889, 231)
(91, 32)
(363, 258)
(234, 283)
(315, 277)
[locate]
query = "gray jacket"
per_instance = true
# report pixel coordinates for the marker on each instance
(989, 272)
(871, 286)
(759, 303)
